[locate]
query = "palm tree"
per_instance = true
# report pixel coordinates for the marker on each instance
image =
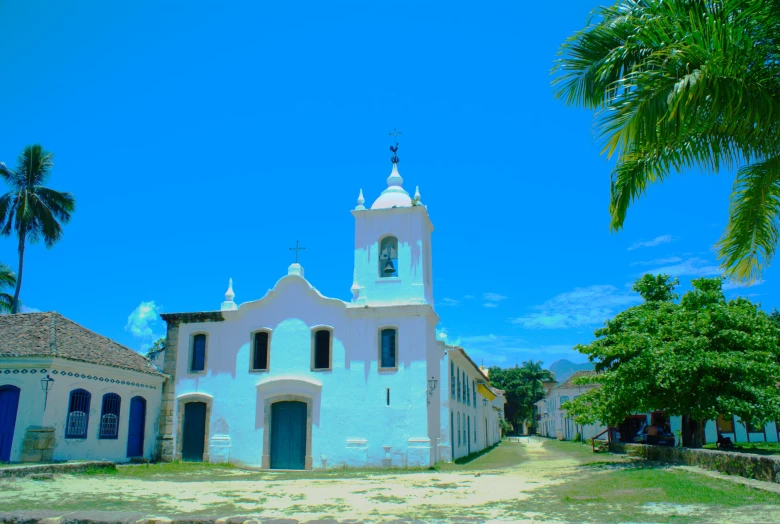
(534, 376)
(29, 209)
(7, 279)
(678, 84)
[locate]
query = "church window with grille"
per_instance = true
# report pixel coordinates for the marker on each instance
(78, 414)
(260, 351)
(109, 416)
(198, 359)
(388, 257)
(322, 346)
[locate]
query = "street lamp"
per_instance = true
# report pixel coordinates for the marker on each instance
(484, 402)
(431, 387)
(46, 384)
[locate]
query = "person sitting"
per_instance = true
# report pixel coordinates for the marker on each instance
(724, 442)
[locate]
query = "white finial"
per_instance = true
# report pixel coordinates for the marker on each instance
(417, 195)
(228, 304)
(361, 200)
(395, 177)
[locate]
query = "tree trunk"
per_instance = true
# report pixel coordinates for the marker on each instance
(22, 238)
(692, 432)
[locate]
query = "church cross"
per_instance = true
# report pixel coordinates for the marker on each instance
(296, 249)
(395, 134)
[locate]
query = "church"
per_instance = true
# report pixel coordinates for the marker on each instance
(298, 380)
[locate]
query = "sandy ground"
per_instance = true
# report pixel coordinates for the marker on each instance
(480, 495)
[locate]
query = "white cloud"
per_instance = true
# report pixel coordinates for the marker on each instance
(584, 306)
(469, 297)
(657, 241)
(28, 309)
(449, 302)
(657, 261)
(144, 323)
(697, 267)
(490, 304)
(493, 297)
(508, 350)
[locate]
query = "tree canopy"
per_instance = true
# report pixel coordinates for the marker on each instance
(30, 210)
(681, 84)
(699, 357)
(7, 279)
(523, 386)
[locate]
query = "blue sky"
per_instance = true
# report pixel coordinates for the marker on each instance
(202, 140)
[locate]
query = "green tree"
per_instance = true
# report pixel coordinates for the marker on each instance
(524, 385)
(30, 210)
(681, 84)
(7, 279)
(157, 346)
(696, 358)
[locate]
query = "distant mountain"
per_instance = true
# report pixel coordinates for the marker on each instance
(563, 369)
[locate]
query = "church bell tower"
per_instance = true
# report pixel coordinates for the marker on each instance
(392, 246)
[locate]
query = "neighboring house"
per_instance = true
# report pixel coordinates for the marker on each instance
(554, 421)
(297, 380)
(103, 400)
(474, 408)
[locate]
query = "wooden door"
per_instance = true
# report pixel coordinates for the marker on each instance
(288, 435)
(9, 405)
(137, 425)
(194, 432)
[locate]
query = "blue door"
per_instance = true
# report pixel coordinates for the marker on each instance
(288, 435)
(135, 431)
(9, 405)
(468, 434)
(194, 435)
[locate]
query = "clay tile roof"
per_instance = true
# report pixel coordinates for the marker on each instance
(569, 382)
(52, 335)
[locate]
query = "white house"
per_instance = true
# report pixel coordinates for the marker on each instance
(554, 422)
(68, 393)
(297, 380)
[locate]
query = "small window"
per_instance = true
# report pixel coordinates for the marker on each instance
(260, 351)
(321, 349)
(198, 361)
(388, 257)
(725, 423)
(78, 414)
(459, 397)
(388, 353)
(109, 416)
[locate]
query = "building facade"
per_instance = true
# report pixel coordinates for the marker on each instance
(67, 393)
(297, 380)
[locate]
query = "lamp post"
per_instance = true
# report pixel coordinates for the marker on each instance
(46, 384)
(431, 387)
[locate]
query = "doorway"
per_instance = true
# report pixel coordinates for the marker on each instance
(9, 405)
(135, 431)
(288, 435)
(194, 435)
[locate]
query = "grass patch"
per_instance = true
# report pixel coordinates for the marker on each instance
(501, 455)
(389, 499)
(92, 470)
(756, 448)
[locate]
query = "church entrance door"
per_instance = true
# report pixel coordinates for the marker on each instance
(288, 435)
(9, 405)
(135, 431)
(194, 435)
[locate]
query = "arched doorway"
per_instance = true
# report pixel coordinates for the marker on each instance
(288, 435)
(194, 432)
(136, 427)
(9, 405)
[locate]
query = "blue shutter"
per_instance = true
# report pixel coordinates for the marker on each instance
(388, 348)
(260, 357)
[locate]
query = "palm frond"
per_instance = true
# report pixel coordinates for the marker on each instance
(35, 165)
(60, 204)
(7, 276)
(6, 303)
(751, 236)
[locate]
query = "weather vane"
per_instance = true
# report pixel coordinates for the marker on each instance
(394, 149)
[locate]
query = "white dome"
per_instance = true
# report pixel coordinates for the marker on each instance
(394, 195)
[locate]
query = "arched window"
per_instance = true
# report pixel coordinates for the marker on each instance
(321, 345)
(109, 416)
(260, 351)
(198, 358)
(388, 345)
(78, 414)
(388, 257)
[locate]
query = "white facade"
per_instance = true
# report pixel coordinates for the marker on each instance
(357, 413)
(554, 422)
(25, 373)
